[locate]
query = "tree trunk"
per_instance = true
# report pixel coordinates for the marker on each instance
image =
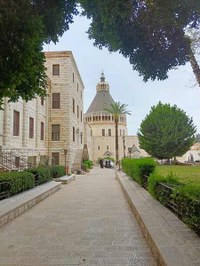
(195, 66)
(116, 142)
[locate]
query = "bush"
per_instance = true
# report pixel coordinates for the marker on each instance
(18, 181)
(41, 174)
(87, 164)
(57, 171)
(185, 196)
(154, 179)
(109, 158)
(138, 168)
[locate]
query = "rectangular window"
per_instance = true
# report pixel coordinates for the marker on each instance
(77, 111)
(55, 100)
(120, 132)
(16, 123)
(81, 137)
(103, 132)
(42, 100)
(99, 148)
(56, 70)
(107, 147)
(31, 127)
(55, 158)
(73, 134)
(109, 132)
(42, 131)
(77, 87)
(73, 103)
(55, 132)
(73, 77)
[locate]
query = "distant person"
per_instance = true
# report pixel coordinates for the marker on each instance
(101, 163)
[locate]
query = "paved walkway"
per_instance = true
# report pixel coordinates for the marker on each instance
(87, 222)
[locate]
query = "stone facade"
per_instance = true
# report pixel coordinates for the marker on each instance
(62, 147)
(31, 148)
(70, 114)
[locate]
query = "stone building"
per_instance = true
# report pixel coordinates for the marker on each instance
(47, 130)
(101, 128)
(22, 130)
(65, 119)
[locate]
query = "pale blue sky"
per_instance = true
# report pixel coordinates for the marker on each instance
(125, 84)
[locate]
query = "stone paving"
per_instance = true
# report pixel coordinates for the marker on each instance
(87, 222)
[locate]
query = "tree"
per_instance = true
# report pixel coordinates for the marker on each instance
(151, 34)
(117, 109)
(24, 26)
(197, 138)
(166, 132)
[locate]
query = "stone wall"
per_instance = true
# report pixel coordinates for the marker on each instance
(70, 86)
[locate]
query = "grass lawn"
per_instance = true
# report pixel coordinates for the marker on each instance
(188, 173)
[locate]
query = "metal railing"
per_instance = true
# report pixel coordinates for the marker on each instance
(10, 161)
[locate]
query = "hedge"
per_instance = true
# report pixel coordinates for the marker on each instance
(57, 171)
(138, 168)
(185, 196)
(41, 174)
(18, 181)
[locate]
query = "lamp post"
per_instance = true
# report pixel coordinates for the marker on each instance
(66, 166)
(123, 138)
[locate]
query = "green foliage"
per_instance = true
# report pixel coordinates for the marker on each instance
(88, 164)
(138, 168)
(24, 26)
(150, 34)
(166, 132)
(155, 178)
(19, 181)
(57, 171)
(117, 109)
(183, 194)
(109, 158)
(188, 201)
(41, 174)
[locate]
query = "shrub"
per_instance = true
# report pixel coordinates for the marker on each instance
(57, 171)
(18, 181)
(109, 158)
(184, 195)
(41, 174)
(154, 179)
(138, 168)
(87, 164)
(188, 203)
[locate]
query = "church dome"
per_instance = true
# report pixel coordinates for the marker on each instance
(102, 99)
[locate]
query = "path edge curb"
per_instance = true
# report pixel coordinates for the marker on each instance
(26, 205)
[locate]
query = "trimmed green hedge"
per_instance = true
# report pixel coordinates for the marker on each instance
(41, 174)
(138, 168)
(186, 197)
(57, 171)
(18, 181)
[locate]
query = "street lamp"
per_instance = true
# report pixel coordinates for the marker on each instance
(66, 166)
(123, 138)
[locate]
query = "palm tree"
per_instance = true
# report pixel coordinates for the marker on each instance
(117, 109)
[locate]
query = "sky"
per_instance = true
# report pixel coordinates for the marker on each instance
(126, 86)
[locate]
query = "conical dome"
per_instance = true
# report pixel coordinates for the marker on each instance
(102, 99)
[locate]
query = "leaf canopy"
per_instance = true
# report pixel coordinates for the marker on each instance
(166, 132)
